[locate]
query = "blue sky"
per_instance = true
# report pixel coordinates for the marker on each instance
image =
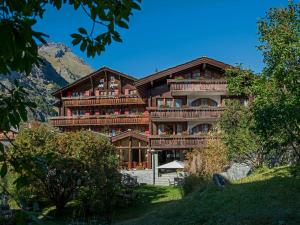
(170, 32)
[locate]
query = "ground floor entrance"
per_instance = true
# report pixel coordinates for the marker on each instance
(133, 150)
(166, 156)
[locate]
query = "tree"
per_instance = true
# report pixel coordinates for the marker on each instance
(60, 164)
(19, 46)
(277, 96)
(270, 126)
(237, 135)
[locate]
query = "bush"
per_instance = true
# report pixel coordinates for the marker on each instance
(208, 160)
(61, 164)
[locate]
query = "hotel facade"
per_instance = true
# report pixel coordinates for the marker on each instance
(170, 111)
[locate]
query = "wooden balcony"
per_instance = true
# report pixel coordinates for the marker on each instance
(7, 136)
(177, 141)
(94, 101)
(209, 87)
(99, 120)
(185, 114)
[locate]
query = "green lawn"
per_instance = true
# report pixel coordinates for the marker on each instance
(148, 199)
(266, 197)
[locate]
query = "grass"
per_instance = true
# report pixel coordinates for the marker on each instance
(148, 199)
(266, 197)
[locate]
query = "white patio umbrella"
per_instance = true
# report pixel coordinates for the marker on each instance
(172, 165)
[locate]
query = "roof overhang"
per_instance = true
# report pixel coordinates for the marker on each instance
(103, 69)
(182, 67)
(127, 134)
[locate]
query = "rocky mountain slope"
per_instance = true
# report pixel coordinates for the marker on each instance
(61, 66)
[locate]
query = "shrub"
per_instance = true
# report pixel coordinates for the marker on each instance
(61, 164)
(208, 160)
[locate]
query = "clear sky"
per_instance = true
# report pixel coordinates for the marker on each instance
(170, 32)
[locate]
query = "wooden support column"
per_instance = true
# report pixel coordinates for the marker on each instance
(92, 85)
(149, 157)
(174, 128)
(129, 154)
(121, 156)
(140, 153)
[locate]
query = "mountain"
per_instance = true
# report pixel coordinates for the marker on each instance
(69, 66)
(60, 67)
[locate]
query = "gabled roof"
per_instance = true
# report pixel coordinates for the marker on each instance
(133, 134)
(181, 67)
(103, 69)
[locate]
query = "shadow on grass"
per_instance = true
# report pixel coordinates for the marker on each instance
(148, 198)
(273, 197)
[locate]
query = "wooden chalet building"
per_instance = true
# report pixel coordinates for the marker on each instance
(170, 111)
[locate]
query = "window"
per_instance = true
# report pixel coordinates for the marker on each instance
(132, 92)
(101, 83)
(159, 102)
(74, 112)
(201, 128)
(81, 112)
(160, 129)
(178, 102)
(244, 102)
(111, 93)
(196, 75)
(204, 102)
(169, 102)
(179, 128)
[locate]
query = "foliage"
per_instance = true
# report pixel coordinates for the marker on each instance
(61, 164)
(237, 135)
(208, 160)
(277, 101)
(269, 130)
(19, 45)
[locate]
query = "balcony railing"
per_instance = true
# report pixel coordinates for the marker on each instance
(185, 114)
(182, 86)
(7, 136)
(93, 100)
(177, 141)
(99, 120)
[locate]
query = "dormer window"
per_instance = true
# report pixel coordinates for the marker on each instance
(101, 83)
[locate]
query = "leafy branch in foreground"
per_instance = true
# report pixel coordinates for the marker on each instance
(19, 45)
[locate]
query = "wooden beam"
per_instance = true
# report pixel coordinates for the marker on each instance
(129, 153)
(92, 84)
(140, 153)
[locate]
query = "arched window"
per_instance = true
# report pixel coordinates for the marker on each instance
(204, 102)
(201, 128)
